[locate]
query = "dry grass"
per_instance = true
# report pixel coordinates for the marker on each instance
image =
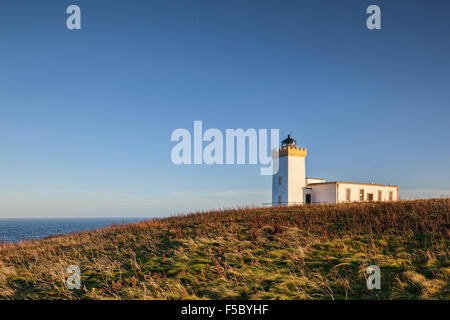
(304, 252)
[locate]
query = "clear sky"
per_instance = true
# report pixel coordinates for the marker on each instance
(86, 116)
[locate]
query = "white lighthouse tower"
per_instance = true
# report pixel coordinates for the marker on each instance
(289, 182)
(291, 187)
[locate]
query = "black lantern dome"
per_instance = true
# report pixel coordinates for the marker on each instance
(288, 141)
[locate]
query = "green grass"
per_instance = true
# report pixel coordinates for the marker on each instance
(304, 252)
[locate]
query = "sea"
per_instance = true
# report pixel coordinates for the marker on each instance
(16, 230)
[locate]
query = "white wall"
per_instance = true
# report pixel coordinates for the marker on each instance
(324, 193)
(368, 188)
(283, 173)
(292, 172)
(297, 180)
(314, 180)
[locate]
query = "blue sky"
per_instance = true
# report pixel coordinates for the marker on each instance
(86, 116)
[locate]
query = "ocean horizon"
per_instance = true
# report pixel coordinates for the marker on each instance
(13, 230)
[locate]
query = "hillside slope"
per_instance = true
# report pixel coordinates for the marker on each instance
(305, 252)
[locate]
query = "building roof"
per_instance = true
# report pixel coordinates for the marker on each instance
(362, 184)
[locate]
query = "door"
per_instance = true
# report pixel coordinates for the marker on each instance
(308, 199)
(370, 196)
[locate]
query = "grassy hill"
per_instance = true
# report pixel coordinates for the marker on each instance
(304, 252)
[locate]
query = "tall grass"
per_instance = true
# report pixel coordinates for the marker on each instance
(302, 252)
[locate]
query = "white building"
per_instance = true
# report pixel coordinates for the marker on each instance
(290, 186)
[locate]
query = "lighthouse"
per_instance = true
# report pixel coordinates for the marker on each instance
(288, 184)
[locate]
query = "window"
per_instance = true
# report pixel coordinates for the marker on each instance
(391, 195)
(380, 195)
(370, 197)
(280, 180)
(361, 194)
(279, 199)
(348, 194)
